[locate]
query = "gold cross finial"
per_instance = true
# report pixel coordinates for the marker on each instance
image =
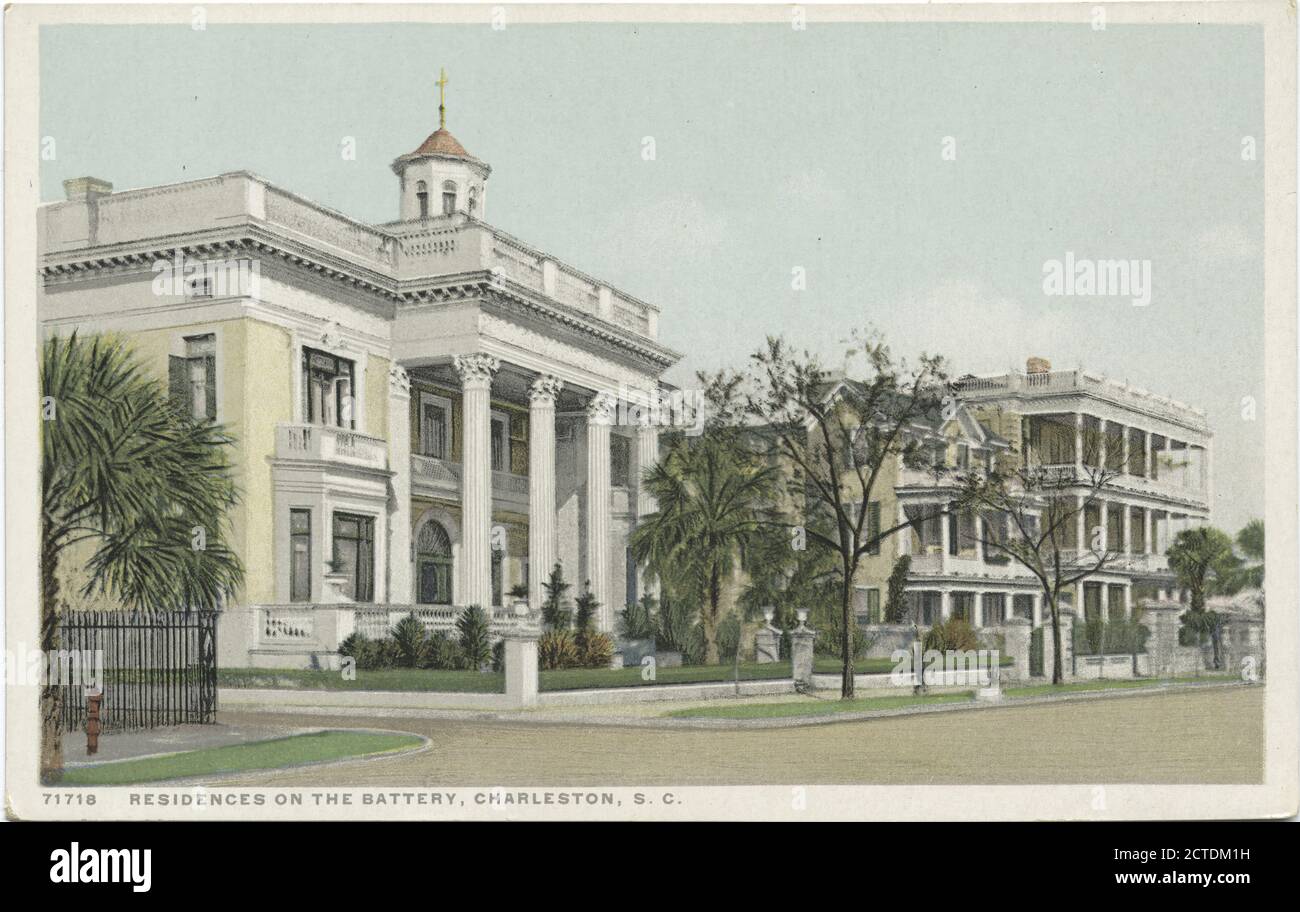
(442, 99)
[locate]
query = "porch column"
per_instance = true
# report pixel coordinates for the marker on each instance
(399, 463)
(1128, 529)
(945, 534)
(1148, 534)
(1081, 526)
(541, 485)
(476, 463)
(945, 603)
(1103, 518)
(1037, 603)
(1124, 448)
(977, 609)
(1128, 600)
(1078, 443)
(904, 536)
(600, 416)
(1103, 610)
(647, 455)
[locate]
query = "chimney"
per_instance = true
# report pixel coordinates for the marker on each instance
(1038, 366)
(86, 189)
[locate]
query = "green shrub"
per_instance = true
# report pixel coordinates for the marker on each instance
(1118, 637)
(598, 652)
(637, 620)
(363, 650)
(410, 642)
(555, 649)
(474, 637)
(584, 619)
(676, 629)
(896, 600)
(953, 635)
(555, 605)
(387, 655)
(444, 652)
(830, 640)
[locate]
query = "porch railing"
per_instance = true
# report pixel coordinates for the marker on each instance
(322, 627)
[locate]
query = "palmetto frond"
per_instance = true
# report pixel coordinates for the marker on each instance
(122, 468)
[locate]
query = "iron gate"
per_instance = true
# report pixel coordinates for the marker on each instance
(158, 668)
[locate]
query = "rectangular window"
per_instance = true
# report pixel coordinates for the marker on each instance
(994, 607)
(963, 605)
(500, 442)
(931, 607)
(328, 385)
(300, 555)
(435, 426)
(620, 460)
(873, 525)
(354, 554)
(192, 377)
(873, 606)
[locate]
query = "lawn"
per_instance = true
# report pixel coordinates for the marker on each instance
(235, 758)
(830, 665)
(1039, 690)
(815, 707)
(489, 682)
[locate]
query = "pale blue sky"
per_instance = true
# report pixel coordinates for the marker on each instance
(775, 149)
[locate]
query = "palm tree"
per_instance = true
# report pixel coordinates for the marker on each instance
(1205, 564)
(1250, 542)
(712, 492)
(130, 478)
(1202, 559)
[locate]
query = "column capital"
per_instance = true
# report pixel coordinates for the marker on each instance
(544, 389)
(476, 369)
(399, 381)
(600, 410)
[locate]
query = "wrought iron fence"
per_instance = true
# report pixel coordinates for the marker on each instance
(158, 668)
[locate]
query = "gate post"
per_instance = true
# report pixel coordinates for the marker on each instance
(801, 652)
(521, 658)
(767, 640)
(93, 699)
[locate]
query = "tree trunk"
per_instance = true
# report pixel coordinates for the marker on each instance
(1058, 673)
(846, 645)
(710, 619)
(919, 686)
(51, 698)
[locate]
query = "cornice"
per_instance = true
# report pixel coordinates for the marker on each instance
(259, 239)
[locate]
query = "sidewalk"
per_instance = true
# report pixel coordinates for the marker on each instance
(167, 740)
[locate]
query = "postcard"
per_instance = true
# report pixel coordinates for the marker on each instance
(634, 412)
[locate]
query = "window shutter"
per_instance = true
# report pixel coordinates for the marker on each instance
(178, 382)
(210, 386)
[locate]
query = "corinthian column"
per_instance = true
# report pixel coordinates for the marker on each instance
(399, 463)
(541, 484)
(476, 463)
(600, 416)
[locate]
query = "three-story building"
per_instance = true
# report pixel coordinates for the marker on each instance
(425, 410)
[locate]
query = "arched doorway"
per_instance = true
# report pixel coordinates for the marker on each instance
(433, 565)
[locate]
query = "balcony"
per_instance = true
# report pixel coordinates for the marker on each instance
(435, 477)
(341, 446)
(1054, 383)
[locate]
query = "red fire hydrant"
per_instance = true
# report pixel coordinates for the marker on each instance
(93, 700)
